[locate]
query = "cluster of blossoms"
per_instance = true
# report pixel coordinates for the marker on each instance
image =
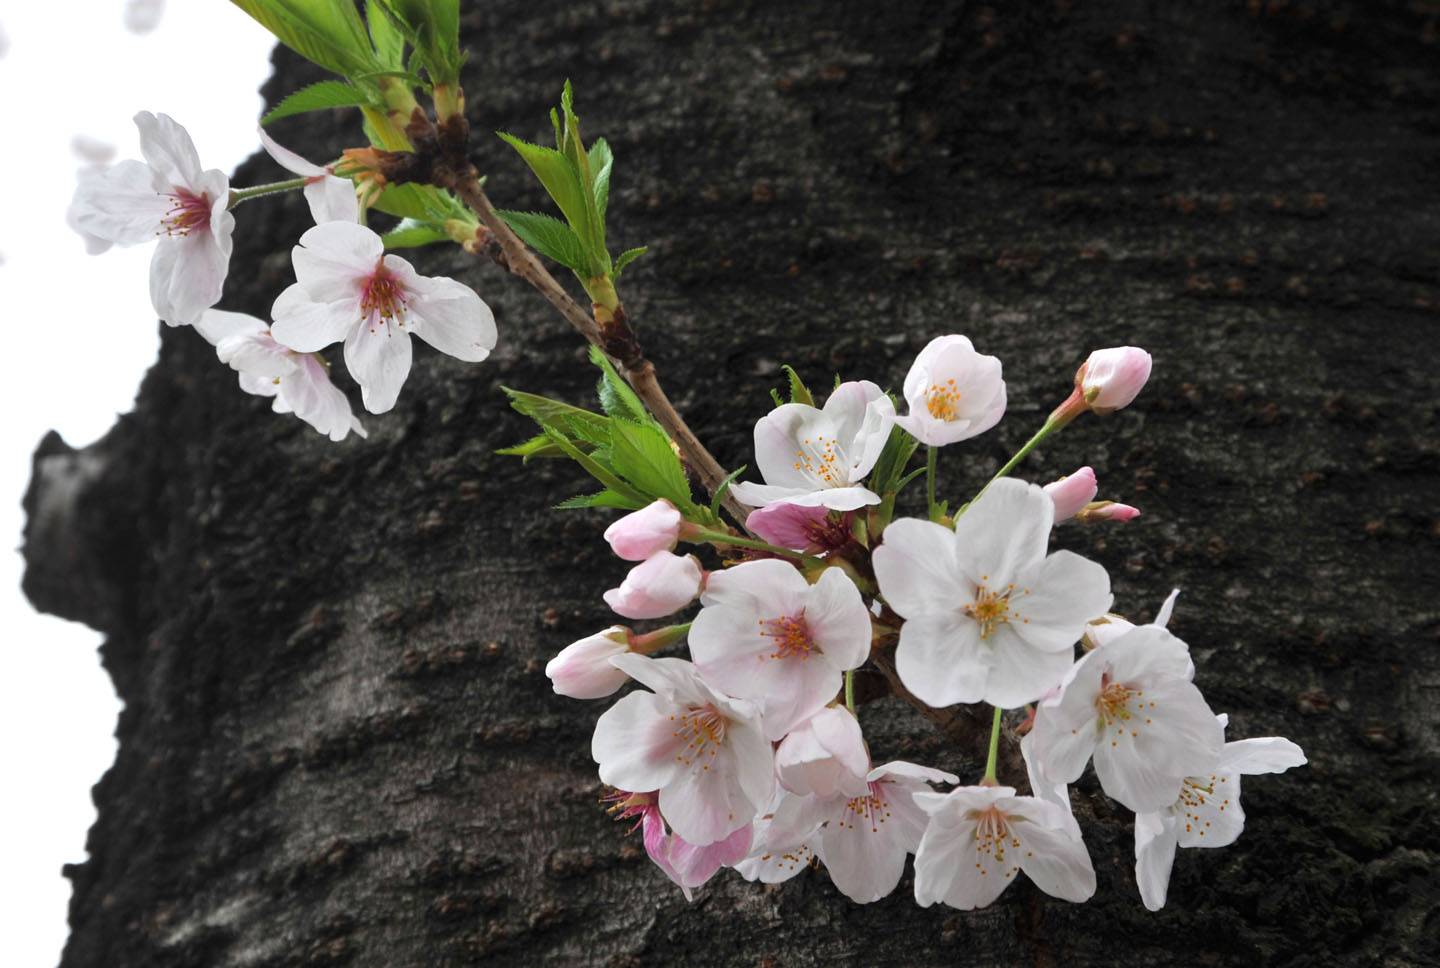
(347, 288)
(750, 754)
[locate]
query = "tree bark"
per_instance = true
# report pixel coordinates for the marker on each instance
(338, 744)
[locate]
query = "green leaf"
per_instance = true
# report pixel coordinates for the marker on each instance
(627, 257)
(890, 465)
(561, 181)
(537, 446)
(643, 455)
(548, 236)
(325, 32)
(594, 468)
(601, 161)
(386, 35)
(799, 392)
(724, 486)
(412, 234)
(433, 28)
(616, 397)
(571, 421)
(318, 97)
(604, 499)
(423, 203)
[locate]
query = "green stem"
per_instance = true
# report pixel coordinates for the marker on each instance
(659, 639)
(1051, 425)
(850, 690)
(699, 536)
(994, 749)
(932, 459)
(238, 195)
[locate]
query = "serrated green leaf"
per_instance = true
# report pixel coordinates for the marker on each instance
(775, 395)
(604, 499)
(433, 28)
(799, 392)
(386, 35)
(890, 465)
(601, 161)
(622, 401)
(412, 234)
(537, 446)
(627, 257)
(643, 455)
(325, 32)
(423, 203)
(594, 468)
(561, 181)
(572, 421)
(548, 236)
(318, 97)
(724, 487)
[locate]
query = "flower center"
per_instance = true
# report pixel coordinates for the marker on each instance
(382, 299)
(699, 732)
(791, 635)
(991, 609)
(869, 811)
(993, 838)
(187, 213)
(1195, 792)
(624, 805)
(1114, 701)
(823, 459)
(943, 400)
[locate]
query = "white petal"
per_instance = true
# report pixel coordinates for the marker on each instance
(860, 414)
(1047, 789)
(916, 568)
(706, 805)
(190, 277)
(1154, 856)
(317, 401)
(754, 760)
(1162, 617)
(1208, 813)
(769, 588)
(942, 661)
(863, 858)
(1057, 597)
(452, 318)
(118, 204)
(217, 325)
(1147, 651)
(777, 446)
(169, 151)
(287, 159)
(379, 360)
(1266, 754)
(332, 199)
(1004, 531)
(336, 255)
(1019, 672)
(672, 678)
(633, 745)
(1067, 724)
(912, 771)
(1058, 863)
(305, 325)
(838, 620)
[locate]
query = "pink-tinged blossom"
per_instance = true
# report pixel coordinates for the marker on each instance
(862, 839)
(684, 863)
(1107, 511)
(703, 752)
(980, 837)
(331, 198)
(1207, 813)
(298, 382)
(767, 634)
(819, 458)
(824, 755)
(989, 617)
(1130, 704)
(349, 289)
(1072, 493)
(648, 531)
(661, 585)
(1112, 378)
(813, 530)
(954, 392)
(166, 197)
(582, 669)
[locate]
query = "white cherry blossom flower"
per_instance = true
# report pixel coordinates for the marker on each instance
(979, 837)
(704, 753)
(1111, 379)
(816, 457)
(862, 839)
(331, 198)
(1109, 627)
(298, 382)
(166, 197)
(766, 634)
(954, 392)
(684, 863)
(349, 289)
(1207, 812)
(824, 755)
(1131, 704)
(989, 617)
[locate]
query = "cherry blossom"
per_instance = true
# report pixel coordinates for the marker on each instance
(813, 530)
(767, 634)
(661, 585)
(640, 534)
(331, 198)
(1112, 378)
(298, 382)
(1072, 493)
(1207, 813)
(989, 617)
(349, 289)
(824, 755)
(816, 457)
(1107, 511)
(954, 392)
(704, 752)
(684, 863)
(582, 669)
(979, 837)
(1109, 627)
(166, 197)
(1131, 704)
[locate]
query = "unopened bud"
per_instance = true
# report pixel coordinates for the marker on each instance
(643, 533)
(1107, 511)
(1110, 379)
(1071, 494)
(661, 585)
(582, 670)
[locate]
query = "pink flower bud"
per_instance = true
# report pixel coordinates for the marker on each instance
(795, 527)
(1107, 511)
(642, 533)
(661, 585)
(1072, 493)
(1111, 378)
(582, 670)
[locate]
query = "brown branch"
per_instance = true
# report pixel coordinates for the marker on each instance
(638, 371)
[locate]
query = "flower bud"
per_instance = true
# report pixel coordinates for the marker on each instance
(1107, 511)
(642, 533)
(1071, 494)
(1111, 378)
(661, 585)
(582, 670)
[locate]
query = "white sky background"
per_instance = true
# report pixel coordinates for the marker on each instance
(79, 335)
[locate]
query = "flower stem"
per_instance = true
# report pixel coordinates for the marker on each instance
(1050, 426)
(989, 779)
(932, 460)
(699, 536)
(238, 195)
(659, 639)
(850, 690)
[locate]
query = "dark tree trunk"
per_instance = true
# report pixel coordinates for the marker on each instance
(338, 745)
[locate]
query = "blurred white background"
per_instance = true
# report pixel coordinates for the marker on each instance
(79, 333)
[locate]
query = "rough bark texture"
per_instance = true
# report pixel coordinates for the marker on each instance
(338, 746)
